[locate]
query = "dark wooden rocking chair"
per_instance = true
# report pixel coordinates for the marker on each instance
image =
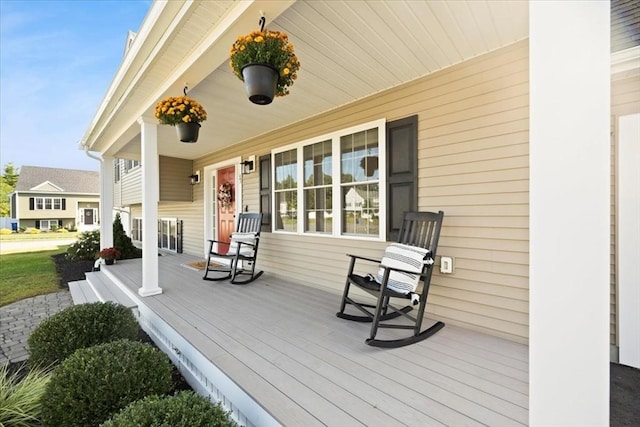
(402, 267)
(243, 248)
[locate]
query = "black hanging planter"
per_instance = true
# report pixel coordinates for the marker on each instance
(260, 81)
(188, 132)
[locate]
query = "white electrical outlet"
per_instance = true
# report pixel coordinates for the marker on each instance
(446, 264)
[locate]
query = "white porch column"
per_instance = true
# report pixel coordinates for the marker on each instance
(569, 213)
(150, 198)
(106, 202)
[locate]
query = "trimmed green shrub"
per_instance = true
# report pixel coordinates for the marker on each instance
(96, 382)
(33, 231)
(20, 396)
(5, 231)
(62, 230)
(80, 326)
(122, 242)
(184, 409)
(86, 247)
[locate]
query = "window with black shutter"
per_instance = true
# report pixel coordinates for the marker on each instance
(32, 203)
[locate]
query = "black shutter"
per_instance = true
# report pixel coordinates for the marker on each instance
(38, 224)
(265, 191)
(64, 204)
(32, 203)
(179, 236)
(60, 223)
(402, 172)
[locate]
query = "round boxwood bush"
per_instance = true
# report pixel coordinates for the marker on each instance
(96, 382)
(184, 409)
(80, 326)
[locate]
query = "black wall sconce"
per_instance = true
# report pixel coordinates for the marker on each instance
(195, 179)
(248, 165)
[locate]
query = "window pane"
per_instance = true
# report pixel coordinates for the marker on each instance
(47, 203)
(39, 203)
(318, 212)
(286, 169)
(287, 206)
(359, 156)
(57, 204)
(317, 187)
(361, 209)
(173, 236)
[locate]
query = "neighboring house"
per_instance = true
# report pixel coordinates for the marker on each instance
(493, 112)
(51, 198)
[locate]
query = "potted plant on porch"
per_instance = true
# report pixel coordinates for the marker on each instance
(184, 113)
(265, 61)
(109, 255)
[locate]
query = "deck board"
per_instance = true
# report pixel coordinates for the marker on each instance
(282, 343)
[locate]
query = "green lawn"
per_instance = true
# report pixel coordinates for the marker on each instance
(39, 236)
(27, 275)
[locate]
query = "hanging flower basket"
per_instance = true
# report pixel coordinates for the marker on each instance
(225, 195)
(180, 111)
(270, 49)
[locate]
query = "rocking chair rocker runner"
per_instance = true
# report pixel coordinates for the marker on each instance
(402, 267)
(243, 248)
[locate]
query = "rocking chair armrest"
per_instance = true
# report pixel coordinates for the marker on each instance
(373, 260)
(422, 275)
(240, 243)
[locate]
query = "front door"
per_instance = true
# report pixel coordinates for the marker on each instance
(88, 216)
(226, 204)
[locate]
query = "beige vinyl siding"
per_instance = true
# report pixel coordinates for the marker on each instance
(192, 217)
(473, 164)
(131, 187)
(174, 179)
(625, 99)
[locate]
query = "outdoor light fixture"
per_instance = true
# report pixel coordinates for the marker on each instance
(248, 165)
(195, 179)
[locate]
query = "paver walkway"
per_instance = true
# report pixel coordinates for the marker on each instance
(19, 319)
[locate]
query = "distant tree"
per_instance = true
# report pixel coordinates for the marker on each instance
(8, 182)
(10, 174)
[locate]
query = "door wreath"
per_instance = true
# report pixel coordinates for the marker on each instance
(225, 196)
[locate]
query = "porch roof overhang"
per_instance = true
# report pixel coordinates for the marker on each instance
(348, 51)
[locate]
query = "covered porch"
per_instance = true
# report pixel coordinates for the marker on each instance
(275, 353)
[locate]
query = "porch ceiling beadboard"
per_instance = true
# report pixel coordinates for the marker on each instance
(348, 50)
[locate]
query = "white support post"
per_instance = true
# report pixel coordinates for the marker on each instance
(150, 198)
(106, 202)
(570, 156)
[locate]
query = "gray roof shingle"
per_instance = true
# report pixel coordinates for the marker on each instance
(69, 180)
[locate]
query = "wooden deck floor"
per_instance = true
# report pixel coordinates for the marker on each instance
(284, 346)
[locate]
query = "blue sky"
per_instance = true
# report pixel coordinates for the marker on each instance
(57, 59)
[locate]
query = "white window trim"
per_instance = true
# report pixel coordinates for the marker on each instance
(44, 207)
(336, 185)
(49, 221)
(175, 223)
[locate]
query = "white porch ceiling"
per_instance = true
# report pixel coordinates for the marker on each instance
(348, 51)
